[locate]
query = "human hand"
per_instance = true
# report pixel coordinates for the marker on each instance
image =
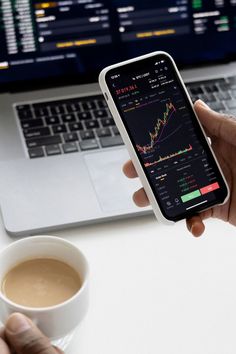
(21, 336)
(222, 131)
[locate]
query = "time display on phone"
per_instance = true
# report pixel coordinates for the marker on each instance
(167, 137)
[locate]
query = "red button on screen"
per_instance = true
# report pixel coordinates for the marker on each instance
(209, 188)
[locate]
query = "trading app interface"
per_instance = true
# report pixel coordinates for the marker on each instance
(43, 38)
(167, 137)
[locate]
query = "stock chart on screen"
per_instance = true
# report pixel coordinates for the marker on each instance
(166, 135)
(160, 120)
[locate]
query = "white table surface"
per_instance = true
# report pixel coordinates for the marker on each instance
(156, 289)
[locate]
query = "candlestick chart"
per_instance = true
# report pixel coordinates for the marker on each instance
(166, 139)
(159, 128)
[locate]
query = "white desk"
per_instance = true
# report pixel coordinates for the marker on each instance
(155, 289)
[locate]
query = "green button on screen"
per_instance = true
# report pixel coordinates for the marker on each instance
(187, 197)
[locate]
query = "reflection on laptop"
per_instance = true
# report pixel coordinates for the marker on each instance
(60, 151)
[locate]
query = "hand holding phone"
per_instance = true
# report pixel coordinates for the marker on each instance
(166, 142)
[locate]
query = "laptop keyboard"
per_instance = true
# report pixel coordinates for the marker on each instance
(82, 124)
(66, 126)
(219, 94)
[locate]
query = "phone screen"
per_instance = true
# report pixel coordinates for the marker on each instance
(167, 137)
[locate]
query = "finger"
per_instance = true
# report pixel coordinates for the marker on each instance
(4, 349)
(3, 337)
(25, 337)
(217, 124)
(129, 170)
(195, 225)
(2, 333)
(140, 198)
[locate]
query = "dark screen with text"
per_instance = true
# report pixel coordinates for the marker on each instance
(167, 137)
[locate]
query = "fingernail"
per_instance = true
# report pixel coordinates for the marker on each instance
(17, 323)
(195, 231)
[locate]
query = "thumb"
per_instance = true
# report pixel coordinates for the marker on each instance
(25, 338)
(217, 124)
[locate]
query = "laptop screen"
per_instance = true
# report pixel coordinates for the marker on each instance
(72, 40)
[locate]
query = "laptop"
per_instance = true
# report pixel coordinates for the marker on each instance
(61, 154)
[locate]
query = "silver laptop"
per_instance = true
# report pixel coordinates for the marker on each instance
(61, 154)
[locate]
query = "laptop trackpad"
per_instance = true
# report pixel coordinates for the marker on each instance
(114, 191)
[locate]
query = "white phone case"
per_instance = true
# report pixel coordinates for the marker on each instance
(133, 155)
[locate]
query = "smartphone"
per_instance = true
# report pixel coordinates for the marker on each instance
(166, 142)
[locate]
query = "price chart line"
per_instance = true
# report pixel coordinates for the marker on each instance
(161, 124)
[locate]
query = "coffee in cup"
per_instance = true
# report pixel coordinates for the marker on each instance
(41, 282)
(61, 269)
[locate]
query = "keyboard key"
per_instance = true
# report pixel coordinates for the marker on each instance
(53, 150)
(69, 147)
(115, 130)
(84, 116)
(73, 107)
(75, 126)
(52, 120)
(23, 107)
(57, 110)
(225, 87)
(41, 111)
(196, 90)
(90, 124)
(233, 93)
(208, 97)
(194, 98)
(25, 114)
(68, 137)
(211, 88)
(87, 106)
(107, 122)
(223, 95)
(35, 132)
(31, 123)
(101, 103)
(230, 104)
(217, 106)
(103, 132)
(111, 141)
(87, 134)
(232, 79)
(89, 144)
(36, 152)
(100, 113)
(68, 118)
(59, 129)
(49, 140)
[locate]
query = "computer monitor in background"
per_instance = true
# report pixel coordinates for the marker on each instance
(65, 41)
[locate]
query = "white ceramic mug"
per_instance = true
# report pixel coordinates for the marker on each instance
(55, 321)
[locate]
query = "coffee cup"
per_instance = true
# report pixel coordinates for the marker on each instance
(56, 321)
